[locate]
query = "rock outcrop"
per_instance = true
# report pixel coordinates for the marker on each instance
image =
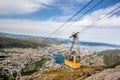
(108, 74)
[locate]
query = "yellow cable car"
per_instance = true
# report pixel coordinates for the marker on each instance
(73, 59)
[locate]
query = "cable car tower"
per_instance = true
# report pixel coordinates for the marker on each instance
(72, 59)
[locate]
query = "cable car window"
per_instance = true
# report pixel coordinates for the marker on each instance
(67, 57)
(71, 58)
(77, 58)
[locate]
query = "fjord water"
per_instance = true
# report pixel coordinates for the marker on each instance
(99, 48)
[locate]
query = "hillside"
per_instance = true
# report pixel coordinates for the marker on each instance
(108, 74)
(109, 60)
(104, 58)
(58, 74)
(110, 56)
(6, 42)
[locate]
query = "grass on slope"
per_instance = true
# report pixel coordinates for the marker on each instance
(64, 74)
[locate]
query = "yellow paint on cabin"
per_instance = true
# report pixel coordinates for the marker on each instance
(73, 63)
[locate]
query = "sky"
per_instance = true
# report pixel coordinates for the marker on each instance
(43, 17)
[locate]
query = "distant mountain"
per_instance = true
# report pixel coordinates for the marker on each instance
(23, 41)
(17, 36)
(85, 43)
(6, 42)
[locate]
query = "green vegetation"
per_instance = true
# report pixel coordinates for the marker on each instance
(6, 42)
(113, 65)
(40, 41)
(10, 42)
(2, 50)
(110, 56)
(39, 64)
(31, 68)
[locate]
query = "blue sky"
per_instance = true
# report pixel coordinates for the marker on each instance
(42, 17)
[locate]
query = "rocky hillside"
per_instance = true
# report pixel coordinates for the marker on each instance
(108, 74)
(86, 73)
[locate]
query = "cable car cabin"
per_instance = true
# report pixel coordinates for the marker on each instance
(72, 60)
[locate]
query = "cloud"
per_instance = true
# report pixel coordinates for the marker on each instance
(107, 31)
(8, 7)
(41, 28)
(83, 0)
(22, 6)
(68, 10)
(101, 12)
(98, 14)
(77, 1)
